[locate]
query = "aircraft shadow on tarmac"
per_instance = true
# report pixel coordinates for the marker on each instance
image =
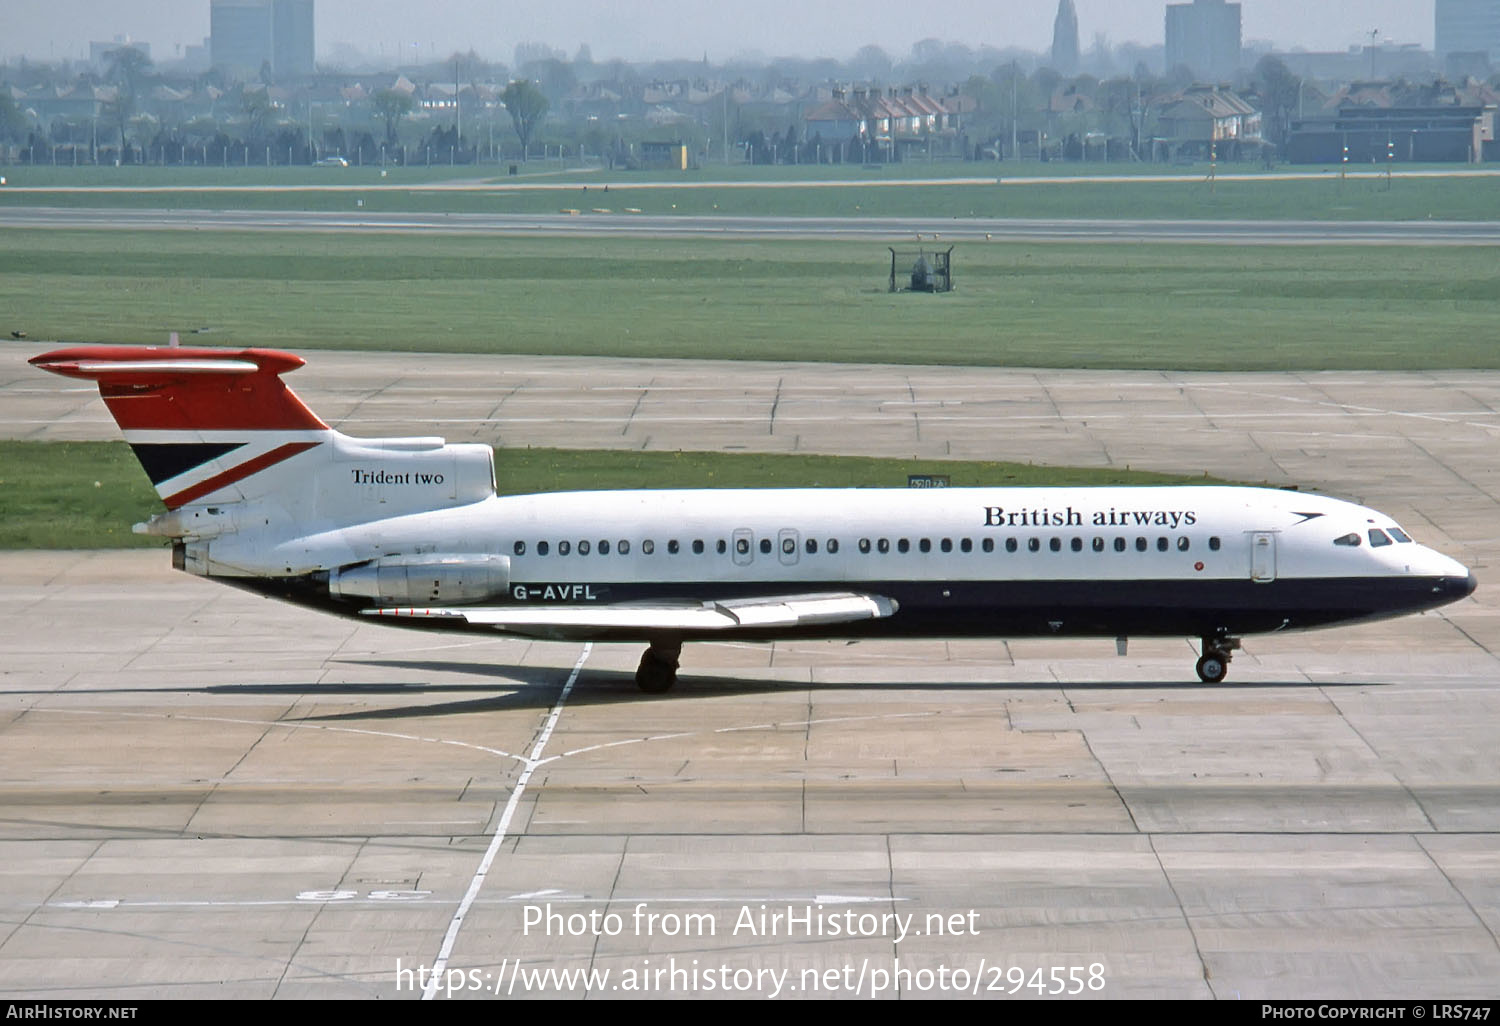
(538, 690)
(529, 687)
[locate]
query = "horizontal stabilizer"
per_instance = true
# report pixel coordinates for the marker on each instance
(180, 389)
(730, 615)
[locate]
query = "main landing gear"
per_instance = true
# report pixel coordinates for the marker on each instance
(1213, 665)
(658, 670)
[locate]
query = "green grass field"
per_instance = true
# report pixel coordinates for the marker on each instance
(73, 495)
(83, 495)
(1222, 308)
(765, 191)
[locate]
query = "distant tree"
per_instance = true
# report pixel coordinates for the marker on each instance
(127, 68)
(1116, 99)
(927, 51)
(12, 118)
(1046, 82)
(365, 149)
(391, 105)
(556, 79)
(873, 63)
(117, 113)
(258, 109)
(527, 105)
(1278, 89)
(594, 138)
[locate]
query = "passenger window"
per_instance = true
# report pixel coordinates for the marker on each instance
(1140, 545)
(721, 546)
(697, 546)
(672, 547)
(925, 545)
(648, 547)
(1034, 544)
(811, 546)
(765, 546)
(988, 545)
(563, 548)
(1098, 544)
(742, 545)
(903, 545)
(1351, 540)
(947, 545)
(1398, 534)
(519, 548)
(833, 545)
(583, 548)
(883, 545)
(1077, 544)
(1213, 544)
(864, 546)
(965, 546)
(603, 547)
(1119, 544)
(1162, 545)
(788, 546)
(1010, 545)
(623, 548)
(1183, 544)
(1378, 538)
(541, 548)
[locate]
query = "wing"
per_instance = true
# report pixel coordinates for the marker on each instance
(628, 620)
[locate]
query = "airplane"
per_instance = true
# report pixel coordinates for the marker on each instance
(262, 494)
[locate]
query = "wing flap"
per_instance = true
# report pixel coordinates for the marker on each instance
(726, 615)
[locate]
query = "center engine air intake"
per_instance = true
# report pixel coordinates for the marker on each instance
(426, 580)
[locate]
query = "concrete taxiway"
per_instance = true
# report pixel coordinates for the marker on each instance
(203, 793)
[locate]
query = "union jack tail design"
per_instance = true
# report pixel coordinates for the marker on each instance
(206, 424)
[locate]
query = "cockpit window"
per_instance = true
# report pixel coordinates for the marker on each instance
(1351, 540)
(1378, 538)
(1398, 534)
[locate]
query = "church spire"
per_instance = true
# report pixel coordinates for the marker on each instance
(1065, 38)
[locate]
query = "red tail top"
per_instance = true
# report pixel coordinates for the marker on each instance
(154, 388)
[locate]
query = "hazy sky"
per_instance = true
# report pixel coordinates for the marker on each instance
(641, 29)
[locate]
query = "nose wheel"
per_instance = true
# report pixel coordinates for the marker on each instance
(1213, 665)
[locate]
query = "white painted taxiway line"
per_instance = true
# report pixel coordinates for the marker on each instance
(477, 883)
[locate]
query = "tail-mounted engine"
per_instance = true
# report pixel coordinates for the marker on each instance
(430, 579)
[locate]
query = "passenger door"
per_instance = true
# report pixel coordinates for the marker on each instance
(1263, 557)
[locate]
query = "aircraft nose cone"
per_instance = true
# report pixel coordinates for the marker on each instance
(1456, 587)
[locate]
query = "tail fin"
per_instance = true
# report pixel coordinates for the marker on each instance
(202, 422)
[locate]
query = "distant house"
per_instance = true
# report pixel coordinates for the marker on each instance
(891, 121)
(1207, 120)
(80, 100)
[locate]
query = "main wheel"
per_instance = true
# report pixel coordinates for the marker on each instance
(1212, 668)
(654, 675)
